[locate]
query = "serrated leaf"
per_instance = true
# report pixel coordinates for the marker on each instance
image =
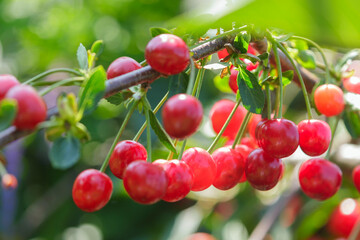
(82, 57)
(154, 31)
(119, 97)
(8, 109)
(217, 66)
(241, 42)
(93, 90)
(306, 58)
(160, 132)
(65, 152)
(97, 47)
(222, 84)
(250, 91)
(352, 123)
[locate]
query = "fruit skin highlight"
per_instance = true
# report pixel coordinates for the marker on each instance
(120, 66)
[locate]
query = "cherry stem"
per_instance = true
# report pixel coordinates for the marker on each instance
(2, 169)
(191, 77)
(182, 149)
(199, 78)
(327, 67)
(333, 130)
(50, 83)
(148, 135)
(242, 129)
(268, 96)
(306, 96)
(51, 71)
(141, 130)
(278, 67)
(58, 84)
(217, 138)
(171, 153)
(118, 135)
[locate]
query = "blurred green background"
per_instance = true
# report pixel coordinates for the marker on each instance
(36, 35)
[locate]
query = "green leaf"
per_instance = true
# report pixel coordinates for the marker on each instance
(300, 45)
(287, 77)
(119, 97)
(154, 31)
(352, 123)
(264, 56)
(82, 57)
(283, 38)
(250, 91)
(160, 132)
(8, 109)
(241, 41)
(65, 152)
(97, 47)
(222, 84)
(93, 90)
(306, 58)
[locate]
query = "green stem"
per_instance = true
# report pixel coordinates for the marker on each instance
(327, 67)
(141, 130)
(242, 129)
(278, 67)
(192, 77)
(49, 83)
(333, 130)
(198, 79)
(217, 138)
(2, 169)
(171, 153)
(148, 136)
(51, 71)
(200, 83)
(57, 84)
(182, 149)
(118, 135)
(306, 97)
(268, 96)
(332, 72)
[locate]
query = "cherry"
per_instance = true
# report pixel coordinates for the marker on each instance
(278, 137)
(352, 84)
(329, 100)
(200, 236)
(356, 177)
(254, 121)
(167, 54)
(219, 114)
(319, 179)
(233, 80)
(314, 136)
(9, 181)
(124, 153)
(92, 190)
(250, 142)
(7, 81)
(182, 115)
(354, 66)
(180, 178)
(258, 127)
(244, 151)
(262, 170)
(202, 166)
(121, 66)
(344, 218)
(31, 109)
(146, 183)
(222, 53)
(229, 168)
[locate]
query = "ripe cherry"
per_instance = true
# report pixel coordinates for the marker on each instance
(180, 178)
(233, 80)
(200, 236)
(7, 81)
(222, 53)
(329, 100)
(146, 183)
(121, 66)
(244, 151)
(344, 218)
(229, 168)
(352, 84)
(182, 115)
(124, 153)
(92, 190)
(31, 109)
(9, 181)
(314, 136)
(167, 54)
(356, 177)
(250, 142)
(319, 178)
(254, 121)
(262, 170)
(202, 166)
(278, 137)
(219, 114)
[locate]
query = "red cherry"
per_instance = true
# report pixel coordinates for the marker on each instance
(146, 183)
(354, 66)
(319, 179)
(262, 170)
(180, 178)
(244, 151)
(121, 66)
(233, 80)
(202, 166)
(219, 114)
(352, 84)
(314, 136)
(250, 65)
(259, 127)
(250, 142)
(200, 236)
(31, 107)
(222, 53)
(167, 54)
(344, 218)
(254, 121)
(124, 153)
(92, 190)
(278, 137)
(9, 181)
(356, 177)
(329, 100)
(182, 115)
(229, 168)
(7, 81)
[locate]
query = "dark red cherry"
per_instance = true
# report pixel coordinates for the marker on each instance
(319, 178)
(146, 183)
(7, 81)
(278, 137)
(262, 170)
(244, 151)
(314, 136)
(233, 80)
(121, 66)
(222, 53)
(356, 177)
(254, 121)
(202, 166)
